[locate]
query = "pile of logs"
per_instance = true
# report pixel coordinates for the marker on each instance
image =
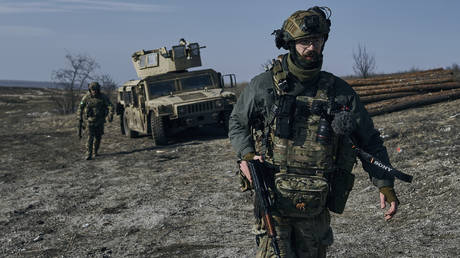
(388, 93)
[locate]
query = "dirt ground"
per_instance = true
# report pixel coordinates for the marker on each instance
(183, 200)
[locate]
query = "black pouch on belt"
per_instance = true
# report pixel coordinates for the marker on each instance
(341, 182)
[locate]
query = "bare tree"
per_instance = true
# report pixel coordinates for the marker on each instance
(364, 62)
(108, 85)
(72, 80)
(455, 70)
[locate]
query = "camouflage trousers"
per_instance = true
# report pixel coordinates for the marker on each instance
(94, 139)
(297, 237)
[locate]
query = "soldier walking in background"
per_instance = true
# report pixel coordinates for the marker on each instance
(94, 108)
(293, 106)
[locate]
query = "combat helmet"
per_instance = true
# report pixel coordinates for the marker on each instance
(304, 24)
(94, 86)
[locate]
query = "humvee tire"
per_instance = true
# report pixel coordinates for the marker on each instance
(225, 121)
(157, 129)
(128, 132)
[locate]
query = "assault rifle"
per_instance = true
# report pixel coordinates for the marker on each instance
(264, 200)
(80, 128)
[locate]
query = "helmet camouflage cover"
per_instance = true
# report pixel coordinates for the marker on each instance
(303, 24)
(94, 86)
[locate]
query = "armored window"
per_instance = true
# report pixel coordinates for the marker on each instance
(196, 82)
(134, 97)
(161, 88)
(127, 97)
(142, 61)
(152, 59)
(194, 49)
(178, 52)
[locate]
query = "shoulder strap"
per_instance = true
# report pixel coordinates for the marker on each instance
(326, 89)
(279, 77)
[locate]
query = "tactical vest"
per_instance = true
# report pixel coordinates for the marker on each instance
(314, 163)
(303, 149)
(95, 110)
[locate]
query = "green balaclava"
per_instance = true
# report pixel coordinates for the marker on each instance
(303, 69)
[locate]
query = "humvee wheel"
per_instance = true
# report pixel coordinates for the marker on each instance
(225, 121)
(130, 133)
(157, 129)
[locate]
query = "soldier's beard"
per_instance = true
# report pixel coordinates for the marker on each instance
(309, 60)
(94, 93)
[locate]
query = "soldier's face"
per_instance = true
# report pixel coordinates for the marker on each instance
(310, 48)
(93, 92)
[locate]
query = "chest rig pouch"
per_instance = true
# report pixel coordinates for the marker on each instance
(95, 110)
(303, 155)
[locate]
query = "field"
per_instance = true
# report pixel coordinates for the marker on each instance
(183, 200)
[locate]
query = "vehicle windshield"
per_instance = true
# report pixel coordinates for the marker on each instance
(196, 82)
(161, 88)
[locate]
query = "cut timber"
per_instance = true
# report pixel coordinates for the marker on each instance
(427, 87)
(392, 105)
(408, 82)
(374, 98)
(380, 79)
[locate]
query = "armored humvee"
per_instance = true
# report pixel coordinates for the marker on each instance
(168, 98)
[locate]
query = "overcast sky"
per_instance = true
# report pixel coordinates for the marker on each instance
(36, 35)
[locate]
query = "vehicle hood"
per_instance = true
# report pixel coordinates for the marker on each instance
(187, 97)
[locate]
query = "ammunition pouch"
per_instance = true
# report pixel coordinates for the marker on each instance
(301, 196)
(341, 182)
(285, 119)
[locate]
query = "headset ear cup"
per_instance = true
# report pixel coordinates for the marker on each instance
(286, 39)
(280, 38)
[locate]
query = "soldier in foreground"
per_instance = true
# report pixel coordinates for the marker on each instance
(286, 120)
(94, 108)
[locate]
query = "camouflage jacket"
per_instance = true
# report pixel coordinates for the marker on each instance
(95, 108)
(256, 100)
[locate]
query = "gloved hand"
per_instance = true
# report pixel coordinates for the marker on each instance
(387, 193)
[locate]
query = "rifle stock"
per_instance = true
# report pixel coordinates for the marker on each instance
(265, 201)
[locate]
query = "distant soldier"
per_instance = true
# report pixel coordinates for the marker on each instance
(94, 108)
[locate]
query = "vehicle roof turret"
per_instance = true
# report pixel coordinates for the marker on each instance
(161, 60)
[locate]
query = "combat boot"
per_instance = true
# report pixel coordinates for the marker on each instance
(88, 157)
